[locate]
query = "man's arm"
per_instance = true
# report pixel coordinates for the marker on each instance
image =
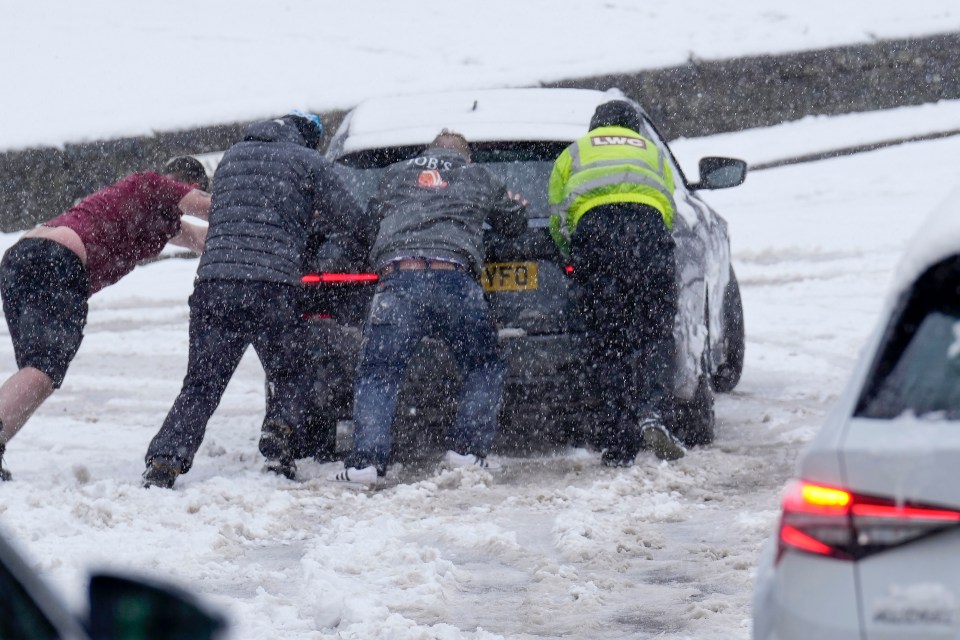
(192, 236)
(338, 211)
(373, 216)
(555, 193)
(509, 215)
(196, 203)
(558, 180)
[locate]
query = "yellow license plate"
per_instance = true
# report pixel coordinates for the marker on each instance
(509, 276)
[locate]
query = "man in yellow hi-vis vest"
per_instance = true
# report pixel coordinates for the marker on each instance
(611, 195)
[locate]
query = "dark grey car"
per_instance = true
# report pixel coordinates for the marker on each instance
(518, 133)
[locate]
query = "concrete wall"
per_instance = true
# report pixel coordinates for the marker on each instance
(37, 184)
(694, 99)
(701, 98)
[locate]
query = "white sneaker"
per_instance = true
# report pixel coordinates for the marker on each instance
(353, 477)
(453, 460)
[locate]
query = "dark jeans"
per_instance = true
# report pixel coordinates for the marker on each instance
(409, 306)
(225, 318)
(623, 258)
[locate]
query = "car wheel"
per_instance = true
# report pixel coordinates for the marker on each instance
(531, 428)
(426, 404)
(694, 418)
(318, 434)
(318, 439)
(727, 375)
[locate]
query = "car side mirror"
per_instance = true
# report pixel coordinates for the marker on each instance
(720, 173)
(130, 609)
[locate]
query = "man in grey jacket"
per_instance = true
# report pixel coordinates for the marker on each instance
(428, 252)
(271, 191)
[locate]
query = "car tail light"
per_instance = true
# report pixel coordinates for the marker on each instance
(833, 522)
(339, 278)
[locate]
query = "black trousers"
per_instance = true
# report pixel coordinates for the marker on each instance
(623, 259)
(225, 318)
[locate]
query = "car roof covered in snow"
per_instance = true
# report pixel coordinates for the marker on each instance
(937, 239)
(482, 115)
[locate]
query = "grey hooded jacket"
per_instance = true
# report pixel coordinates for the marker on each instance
(435, 205)
(266, 191)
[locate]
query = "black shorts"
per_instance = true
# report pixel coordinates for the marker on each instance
(44, 287)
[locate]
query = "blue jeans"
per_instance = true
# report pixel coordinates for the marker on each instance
(410, 306)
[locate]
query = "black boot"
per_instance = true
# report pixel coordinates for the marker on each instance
(278, 446)
(4, 474)
(162, 473)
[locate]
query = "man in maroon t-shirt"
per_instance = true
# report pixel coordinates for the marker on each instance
(48, 275)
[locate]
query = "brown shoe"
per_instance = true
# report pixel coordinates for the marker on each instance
(161, 474)
(277, 446)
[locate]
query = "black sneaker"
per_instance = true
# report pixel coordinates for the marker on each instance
(277, 446)
(5, 475)
(160, 473)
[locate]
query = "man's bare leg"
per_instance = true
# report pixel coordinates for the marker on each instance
(20, 396)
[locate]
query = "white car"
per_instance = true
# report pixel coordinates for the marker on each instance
(868, 543)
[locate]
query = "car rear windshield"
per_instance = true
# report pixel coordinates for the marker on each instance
(524, 166)
(918, 368)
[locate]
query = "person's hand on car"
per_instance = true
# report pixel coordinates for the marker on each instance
(519, 198)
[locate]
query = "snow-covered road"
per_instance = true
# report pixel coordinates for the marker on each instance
(557, 547)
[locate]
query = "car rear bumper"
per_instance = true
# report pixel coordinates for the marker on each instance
(544, 383)
(804, 597)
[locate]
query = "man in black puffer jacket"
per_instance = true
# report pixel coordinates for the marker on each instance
(271, 191)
